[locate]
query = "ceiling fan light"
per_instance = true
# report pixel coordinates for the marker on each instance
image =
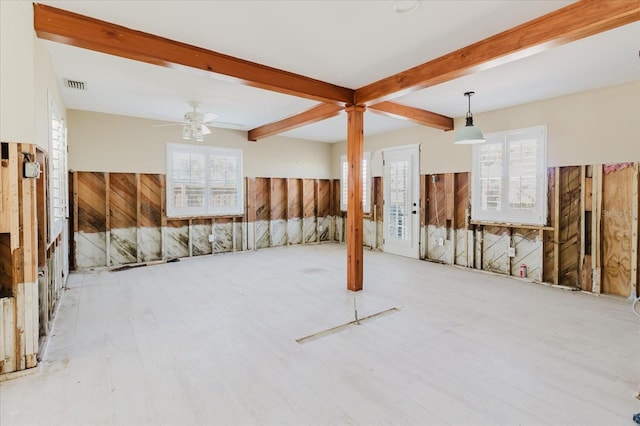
(186, 132)
(197, 135)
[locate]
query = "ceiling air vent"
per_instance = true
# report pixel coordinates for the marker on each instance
(74, 84)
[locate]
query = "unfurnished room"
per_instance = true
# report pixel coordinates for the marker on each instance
(320, 212)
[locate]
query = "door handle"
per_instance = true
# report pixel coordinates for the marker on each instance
(413, 212)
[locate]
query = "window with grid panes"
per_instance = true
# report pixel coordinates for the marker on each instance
(509, 182)
(57, 170)
(366, 179)
(204, 181)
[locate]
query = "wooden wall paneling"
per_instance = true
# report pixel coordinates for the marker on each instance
(107, 180)
(91, 220)
(378, 206)
(528, 245)
(495, 244)
(150, 217)
(617, 206)
(324, 209)
(596, 229)
(460, 222)
(437, 243)
(294, 209)
(278, 212)
(123, 230)
(250, 213)
(424, 214)
(138, 220)
(5, 189)
(8, 306)
(41, 212)
(6, 265)
(585, 229)
(262, 193)
(548, 244)
(569, 226)
(200, 230)
(309, 222)
(28, 241)
(223, 229)
(177, 238)
(635, 223)
(556, 225)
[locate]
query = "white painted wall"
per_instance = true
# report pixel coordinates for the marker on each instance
(16, 72)
(114, 143)
(593, 127)
(26, 78)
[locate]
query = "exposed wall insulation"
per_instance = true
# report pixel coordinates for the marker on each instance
(120, 219)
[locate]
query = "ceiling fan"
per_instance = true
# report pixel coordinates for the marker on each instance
(194, 125)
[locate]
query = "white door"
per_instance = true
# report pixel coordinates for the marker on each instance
(401, 215)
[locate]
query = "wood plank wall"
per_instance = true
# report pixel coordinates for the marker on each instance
(120, 219)
(19, 324)
(590, 241)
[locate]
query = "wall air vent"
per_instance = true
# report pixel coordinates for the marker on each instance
(74, 84)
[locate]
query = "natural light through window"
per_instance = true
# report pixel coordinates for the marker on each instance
(204, 180)
(509, 177)
(366, 179)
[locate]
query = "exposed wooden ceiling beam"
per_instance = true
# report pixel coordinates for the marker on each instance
(573, 22)
(77, 30)
(315, 114)
(420, 116)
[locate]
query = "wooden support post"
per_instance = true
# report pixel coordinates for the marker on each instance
(596, 224)
(635, 242)
(355, 142)
(556, 226)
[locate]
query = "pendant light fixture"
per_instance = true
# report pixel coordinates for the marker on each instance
(469, 134)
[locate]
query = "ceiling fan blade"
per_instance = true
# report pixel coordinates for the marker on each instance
(205, 129)
(208, 116)
(168, 124)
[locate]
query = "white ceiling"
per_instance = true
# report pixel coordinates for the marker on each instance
(348, 43)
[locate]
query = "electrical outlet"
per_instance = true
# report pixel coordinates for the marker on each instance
(511, 251)
(440, 241)
(212, 238)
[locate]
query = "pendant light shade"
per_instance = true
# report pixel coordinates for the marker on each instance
(469, 134)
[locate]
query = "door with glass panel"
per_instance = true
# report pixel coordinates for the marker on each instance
(401, 219)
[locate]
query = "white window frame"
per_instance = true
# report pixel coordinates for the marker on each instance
(208, 208)
(366, 178)
(505, 214)
(58, 180)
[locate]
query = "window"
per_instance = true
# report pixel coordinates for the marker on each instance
(509, 177)
(204, 180)
(366, 179)
(57, 170)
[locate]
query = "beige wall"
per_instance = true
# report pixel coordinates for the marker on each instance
(597, 126)
(114, 143)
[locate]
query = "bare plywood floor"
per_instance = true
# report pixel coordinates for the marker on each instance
(211, 340)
